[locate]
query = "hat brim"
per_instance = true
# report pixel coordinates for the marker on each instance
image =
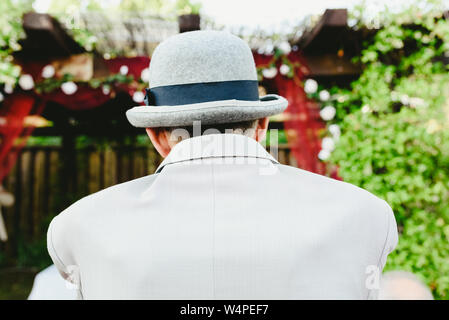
(214, 112)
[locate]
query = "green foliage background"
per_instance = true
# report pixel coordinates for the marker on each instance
(395, 139)
(394, 121)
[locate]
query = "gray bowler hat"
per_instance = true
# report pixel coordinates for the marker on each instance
(203, 75)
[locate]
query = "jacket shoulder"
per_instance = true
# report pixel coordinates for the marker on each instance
(66, 228)
(352, 198)
(97, 205)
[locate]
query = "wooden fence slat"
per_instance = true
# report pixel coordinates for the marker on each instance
(25, 182)
(47, 192)
(139, 164)
(124, 166)
(82, 165)
(291, 160)
(94, 172)
(38, 190)
(54, 205)
(110, 165)
(151, 160)
(282, 156)
(8, 213)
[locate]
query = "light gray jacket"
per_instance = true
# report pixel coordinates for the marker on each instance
(222, 219)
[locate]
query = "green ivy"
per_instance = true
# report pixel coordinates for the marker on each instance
(395, 141)
(48, 85)
(11, 33)
(188, 7)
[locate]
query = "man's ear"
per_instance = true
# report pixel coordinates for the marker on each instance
(159, 140)
(261, 128)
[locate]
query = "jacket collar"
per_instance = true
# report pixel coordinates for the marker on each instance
(216, 146)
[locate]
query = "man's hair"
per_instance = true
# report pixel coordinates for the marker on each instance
(184, 132)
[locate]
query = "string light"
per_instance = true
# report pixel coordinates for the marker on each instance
(285, 47)
(310, 86)
(334, 129)
(124, 70)
(324, 95)
(145, 75)
(69, 87)
(138, 96)
(26, 82)
(284, 69)
(106, 90)
(48, 71)
(270, 73)
(328, 113)
(8, 88)
(328, 144)
(324, 154)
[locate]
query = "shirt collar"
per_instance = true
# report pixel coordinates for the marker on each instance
(216, 146)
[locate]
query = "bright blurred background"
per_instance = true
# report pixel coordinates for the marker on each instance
(367, 84)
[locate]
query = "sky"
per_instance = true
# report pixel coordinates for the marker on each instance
(270, 15)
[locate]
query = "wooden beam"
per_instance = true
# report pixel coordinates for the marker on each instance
(46, 38)
(336, 17)
(330, 65)
(332, 18)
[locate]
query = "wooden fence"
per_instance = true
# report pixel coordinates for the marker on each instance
(45, 180)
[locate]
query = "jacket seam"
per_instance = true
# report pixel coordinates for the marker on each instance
(213, 228)
(53, 247)
(215, 157)
(388, 232)
(386, 239)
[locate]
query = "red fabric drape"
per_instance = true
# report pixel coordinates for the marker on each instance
(135, 65)
(84, 98)
(21, 104)
(302, 127)
(302, 124)
(12, 114)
